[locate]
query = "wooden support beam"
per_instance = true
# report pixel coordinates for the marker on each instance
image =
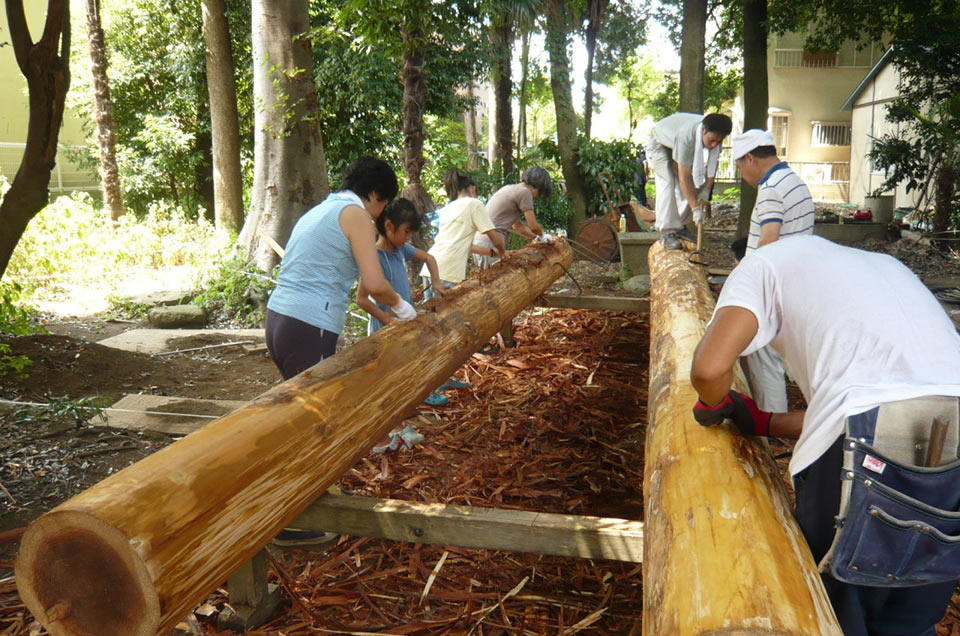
(602, 303)
(133, 554)
(722, 551)
(476, 527)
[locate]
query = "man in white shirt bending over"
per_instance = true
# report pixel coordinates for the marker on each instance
(685, 176)
(863, 337)
(784, 209)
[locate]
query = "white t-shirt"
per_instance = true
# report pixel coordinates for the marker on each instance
(459, 220)
(679, 133)
(855, 329)
(782, 197)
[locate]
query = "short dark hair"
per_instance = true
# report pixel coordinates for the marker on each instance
(399, 211)
(455, 183)
(717, 123)
(369, 174)
(540, 179)
(763, 152)
(739, 247)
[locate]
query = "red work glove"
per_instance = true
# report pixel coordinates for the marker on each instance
(738, 407)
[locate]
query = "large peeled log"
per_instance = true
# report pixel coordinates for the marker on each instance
(722, 551)
(134, 554)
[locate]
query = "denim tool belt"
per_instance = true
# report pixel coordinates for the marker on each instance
(899, 518)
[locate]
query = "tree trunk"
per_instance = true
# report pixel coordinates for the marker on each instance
(524, 74)
(471, 131)
(946, 185)
(290, 170)
(224, 118)
(136, 552)
(556, 40)
(712, 496)
(597, 9)
(501, 38)
(755, 94)
(46, 66)
(103, 113)
(693, 55)
(414, 97)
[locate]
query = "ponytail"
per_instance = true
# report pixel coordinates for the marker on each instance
(455, 183)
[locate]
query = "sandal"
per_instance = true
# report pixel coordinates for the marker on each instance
(452, 384)
(435, 399)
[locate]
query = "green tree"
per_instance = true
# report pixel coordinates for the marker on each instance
(45, 64)
(423, 38)
(558, 38)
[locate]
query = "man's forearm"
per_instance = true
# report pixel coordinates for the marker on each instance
(787, 425)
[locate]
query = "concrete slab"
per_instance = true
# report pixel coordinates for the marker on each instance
(165, 414)
(159, 340)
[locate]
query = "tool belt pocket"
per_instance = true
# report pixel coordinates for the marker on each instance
(899, 521)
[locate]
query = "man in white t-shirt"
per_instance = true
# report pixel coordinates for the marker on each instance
(676, 152)
(784, 209)
(857, 330)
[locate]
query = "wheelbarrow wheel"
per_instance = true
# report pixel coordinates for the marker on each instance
(597, 240)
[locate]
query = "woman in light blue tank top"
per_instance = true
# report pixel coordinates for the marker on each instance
(330, 246)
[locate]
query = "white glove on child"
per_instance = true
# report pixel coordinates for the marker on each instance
(404, 310)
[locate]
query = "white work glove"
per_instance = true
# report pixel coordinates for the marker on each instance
(404, 310)
(546, 237)
(704, 195)
(700, 213)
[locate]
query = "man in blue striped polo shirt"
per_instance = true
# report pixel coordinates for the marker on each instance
(784, 209)
(784, 206)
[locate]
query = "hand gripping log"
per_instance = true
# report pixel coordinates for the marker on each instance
(136, 552)
(722, 553)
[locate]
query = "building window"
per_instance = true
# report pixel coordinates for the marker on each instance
(830, 133)
(779, 126)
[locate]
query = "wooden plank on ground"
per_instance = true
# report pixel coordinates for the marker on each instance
(476, 527)
(147, 412)
(603, 303)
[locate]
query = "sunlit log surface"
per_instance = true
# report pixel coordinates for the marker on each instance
(722, 551)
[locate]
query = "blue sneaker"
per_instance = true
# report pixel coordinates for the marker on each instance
(435, 399)
(452, 384)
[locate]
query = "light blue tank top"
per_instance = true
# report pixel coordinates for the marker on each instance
(318, 268)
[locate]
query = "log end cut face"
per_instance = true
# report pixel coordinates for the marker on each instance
(80, 577)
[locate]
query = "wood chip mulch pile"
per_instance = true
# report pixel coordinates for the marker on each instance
(553, 425)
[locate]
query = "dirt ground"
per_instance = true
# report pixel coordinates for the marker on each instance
(51, 453)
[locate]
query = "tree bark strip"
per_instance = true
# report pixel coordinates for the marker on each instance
(133, 554)
(722, 551)
(46, 66)
(103, 108)
(414, 104)
(224, 118)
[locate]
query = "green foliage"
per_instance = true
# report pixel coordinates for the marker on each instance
(718, 87)
(161, 103)
(14, 321)
(73, 243)
(623, 32)
(729, 195)
(236, 293)
(76, 411)
(620, 159)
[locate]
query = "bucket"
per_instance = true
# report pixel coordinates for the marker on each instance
(882, 208)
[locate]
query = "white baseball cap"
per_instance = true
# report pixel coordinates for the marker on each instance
(750, 139)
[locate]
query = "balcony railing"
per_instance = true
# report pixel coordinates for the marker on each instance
(65, 177)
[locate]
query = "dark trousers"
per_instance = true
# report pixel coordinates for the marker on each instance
(861, 610)
(296, 346)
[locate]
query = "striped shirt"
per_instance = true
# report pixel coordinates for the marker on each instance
(781, 198)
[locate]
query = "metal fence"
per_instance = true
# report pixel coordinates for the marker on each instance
(66, 177)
